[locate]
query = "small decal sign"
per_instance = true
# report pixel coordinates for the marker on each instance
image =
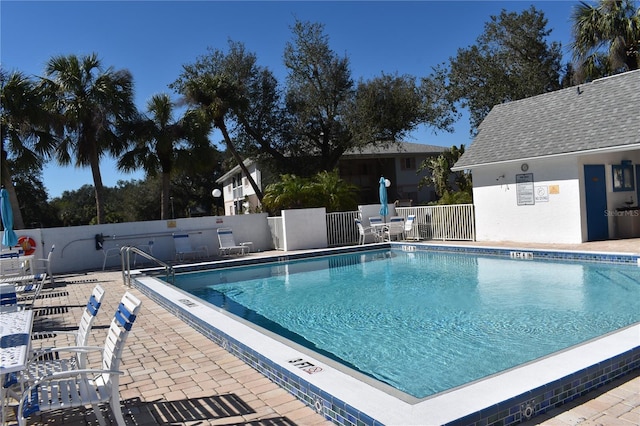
(542, 194)
(306, 366)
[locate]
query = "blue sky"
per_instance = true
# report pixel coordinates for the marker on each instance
(153, 39)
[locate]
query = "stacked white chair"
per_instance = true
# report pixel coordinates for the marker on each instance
(84, 386)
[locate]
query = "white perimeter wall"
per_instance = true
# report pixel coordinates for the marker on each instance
(75, 246)
(304, 229)
(500, 218)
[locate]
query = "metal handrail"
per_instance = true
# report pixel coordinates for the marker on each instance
(125, 256)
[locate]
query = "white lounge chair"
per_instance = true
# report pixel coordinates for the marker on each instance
(184, 248)
(85, 386)
(408, 228)
(8, 297)
(228, 243)
(20, 291)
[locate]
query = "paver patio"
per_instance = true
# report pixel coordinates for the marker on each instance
(176, 376)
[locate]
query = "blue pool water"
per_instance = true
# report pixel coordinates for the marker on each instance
(426, 322)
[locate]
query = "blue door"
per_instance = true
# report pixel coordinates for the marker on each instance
(596, 199)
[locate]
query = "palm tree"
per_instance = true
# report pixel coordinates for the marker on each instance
(216, 96)
(160, 146)
(24, 132)
(332, 192)
(613, 25)
(289, 192)
(324, 189)
(93, 103)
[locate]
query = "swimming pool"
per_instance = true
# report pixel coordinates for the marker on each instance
(502, 396)
(427, 322)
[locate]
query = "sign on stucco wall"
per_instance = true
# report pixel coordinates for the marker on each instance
(524, 189)
(542, 194)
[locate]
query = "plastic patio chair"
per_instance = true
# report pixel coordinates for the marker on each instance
(183, 247)
(81, 336)
(375, 220)
(86, 386)
(110, 252)
(228, 242)
(363, 231)
(46, 264)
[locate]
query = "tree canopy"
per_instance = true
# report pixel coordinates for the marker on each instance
(511, 60)
(606, 38)
(305, 124)
(92, 103)
(164, 144)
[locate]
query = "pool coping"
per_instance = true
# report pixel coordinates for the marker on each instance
(512, 396)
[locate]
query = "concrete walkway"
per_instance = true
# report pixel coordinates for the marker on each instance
(176, 376)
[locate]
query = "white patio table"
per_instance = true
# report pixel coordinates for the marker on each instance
(379, 228)
(15, 343)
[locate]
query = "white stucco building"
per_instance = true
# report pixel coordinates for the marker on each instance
(561, 167)
(363, 168)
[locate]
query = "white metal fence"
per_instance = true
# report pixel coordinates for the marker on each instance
(452, 222)
(341, 229)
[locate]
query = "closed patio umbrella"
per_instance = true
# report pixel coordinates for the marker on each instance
(384, 209)
(9, 238)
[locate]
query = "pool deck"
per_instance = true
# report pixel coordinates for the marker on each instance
(174, 375)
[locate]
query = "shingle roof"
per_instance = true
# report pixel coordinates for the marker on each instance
(603, 114)
(394, 149)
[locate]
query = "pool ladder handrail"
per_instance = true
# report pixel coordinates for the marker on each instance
(125, 256)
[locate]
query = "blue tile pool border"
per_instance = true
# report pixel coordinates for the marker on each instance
(581, 256)
(510, 412)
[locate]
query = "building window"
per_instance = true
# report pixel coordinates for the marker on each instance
(408, 163)
(623, 176)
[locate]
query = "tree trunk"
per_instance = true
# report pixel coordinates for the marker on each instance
(239, 160)
(166, 185)
(99, 188)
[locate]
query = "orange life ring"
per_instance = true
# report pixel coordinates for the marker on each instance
(28, 244)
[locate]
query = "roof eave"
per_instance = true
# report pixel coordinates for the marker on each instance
(617, 148)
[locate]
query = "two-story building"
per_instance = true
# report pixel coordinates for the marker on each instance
(397, 162)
